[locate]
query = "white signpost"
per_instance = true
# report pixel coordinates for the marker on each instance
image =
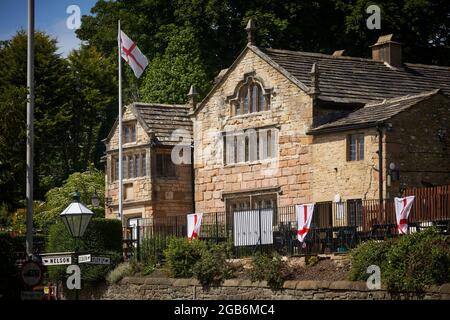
(100, 260)
(56, 260)
(85, 258)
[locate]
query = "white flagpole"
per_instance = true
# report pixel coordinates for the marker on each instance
(120, 130)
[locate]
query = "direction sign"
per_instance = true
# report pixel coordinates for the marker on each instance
(31, 273)
(56, 261)
(100, 260)
(85, 258)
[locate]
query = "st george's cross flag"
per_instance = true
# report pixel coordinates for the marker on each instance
(194, 222)
(131, 54)
(304, 218)
(402, 209)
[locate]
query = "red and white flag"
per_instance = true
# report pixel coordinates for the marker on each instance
(131, 54)
(194, 221)
(304, 218)
(402, 209)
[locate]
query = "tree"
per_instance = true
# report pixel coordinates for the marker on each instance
(58, 198)
(170, 75)
(93, 107)
(51, 115)
(423, 26)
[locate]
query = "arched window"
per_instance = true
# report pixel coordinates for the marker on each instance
(251, 99)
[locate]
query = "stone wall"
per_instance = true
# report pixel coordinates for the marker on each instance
(290, 111)
(133, 288)
(140, 204)
(414, 146)
(333, 174)
(151, 195)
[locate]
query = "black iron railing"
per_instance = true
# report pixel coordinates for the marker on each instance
(336, 226)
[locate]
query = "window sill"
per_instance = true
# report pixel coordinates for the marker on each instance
(130, 179)
(246, 115)
(240, 164)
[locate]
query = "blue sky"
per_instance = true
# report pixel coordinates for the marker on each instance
(50, 16)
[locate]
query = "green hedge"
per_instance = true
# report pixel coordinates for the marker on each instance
(409, 263)
(103, 236)
(270, 268)
(181, 256)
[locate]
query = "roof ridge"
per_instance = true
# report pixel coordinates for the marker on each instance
(325, 55)
(317, 54)
(163, 105)
(426, 65)
(404, 97)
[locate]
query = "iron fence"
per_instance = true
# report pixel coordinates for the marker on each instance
(336, 226)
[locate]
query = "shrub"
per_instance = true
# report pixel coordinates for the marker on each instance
(270, 268)
(122, 270)
(368, 253)
(408, 263)
(181, 256)
(312, 261)
(103, 236)
(418, 260)
(152, 250)
(212, 268)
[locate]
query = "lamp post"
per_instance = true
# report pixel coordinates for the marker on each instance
(95, 200)
(76, 218)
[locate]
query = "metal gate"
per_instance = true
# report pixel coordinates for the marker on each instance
(252, 227)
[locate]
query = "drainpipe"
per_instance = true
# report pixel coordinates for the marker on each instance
(380, 163)
(193, 177)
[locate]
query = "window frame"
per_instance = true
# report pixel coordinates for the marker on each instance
(169, 169)
(129, 131)
(261, 153)
(359, 142)
(246, 103)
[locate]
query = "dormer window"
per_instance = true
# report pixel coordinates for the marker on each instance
(250, 97)
(129, 133)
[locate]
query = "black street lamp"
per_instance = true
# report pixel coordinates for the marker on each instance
(76, 218)
(95, 200)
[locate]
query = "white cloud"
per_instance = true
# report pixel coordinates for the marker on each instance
(67, 39)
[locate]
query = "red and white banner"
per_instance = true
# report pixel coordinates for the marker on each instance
(194, 221)
(402, 209)
(304, 218)
(131, 54)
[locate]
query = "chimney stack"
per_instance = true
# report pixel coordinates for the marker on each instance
(314, 88)
(388, 51)
(251, 27)
(193, 96)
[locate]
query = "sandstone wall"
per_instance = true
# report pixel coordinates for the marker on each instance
(133, 288)
(290, 111)
(333, 174)
(414, 145)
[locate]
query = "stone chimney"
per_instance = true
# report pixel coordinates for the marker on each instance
(251, 27)
(338, 53)
(314, 88)
(388, 51)
(193, 96)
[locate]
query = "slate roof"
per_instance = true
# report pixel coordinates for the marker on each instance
(358, 80)
(161, 120)
(374, 113)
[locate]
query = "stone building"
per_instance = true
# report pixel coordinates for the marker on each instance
(153, 185)
(283, 127)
